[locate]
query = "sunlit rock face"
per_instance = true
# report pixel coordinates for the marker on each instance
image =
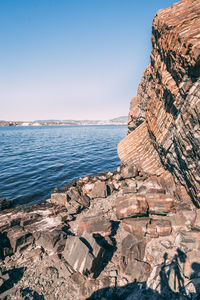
(163, 125)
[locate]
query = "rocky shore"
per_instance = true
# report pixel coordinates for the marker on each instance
(102, 237)
(133, 233)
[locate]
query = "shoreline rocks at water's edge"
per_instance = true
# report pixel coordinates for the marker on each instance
(100, 231)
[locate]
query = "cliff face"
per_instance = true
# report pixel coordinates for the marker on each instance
(163, 125)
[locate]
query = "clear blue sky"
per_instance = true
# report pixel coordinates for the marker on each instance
(73, 59)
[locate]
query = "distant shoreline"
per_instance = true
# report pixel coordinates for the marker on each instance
(53, 125)
(116, 121)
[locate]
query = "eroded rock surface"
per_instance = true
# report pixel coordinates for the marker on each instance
(164, 117)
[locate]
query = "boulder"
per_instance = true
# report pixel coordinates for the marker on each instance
(74, 195)
(188, 241)
(87, 189)
(5, 248)
(83, 254)
(137, 270)
(158, 228)
(196, 222)
(136, 225)
(160, 204)
(94, 224)
(131, 205)
(48, 239)
(133, 247)
(99, 190)
(19, 238)
(59, 199)
(132, 254)
(129, 171)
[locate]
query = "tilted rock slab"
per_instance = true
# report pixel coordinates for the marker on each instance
(83, 254)
(164, 125)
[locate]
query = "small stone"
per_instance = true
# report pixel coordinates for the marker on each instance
(167, 244)
(99, 190)
(59, 198)
(113, 273)
(129, 171)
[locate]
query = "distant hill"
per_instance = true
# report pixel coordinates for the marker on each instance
(120, 119)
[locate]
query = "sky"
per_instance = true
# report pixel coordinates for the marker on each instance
(73, 59)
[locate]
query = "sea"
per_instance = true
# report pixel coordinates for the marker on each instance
(35, 160)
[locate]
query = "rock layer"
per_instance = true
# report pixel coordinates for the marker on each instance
(164, 117)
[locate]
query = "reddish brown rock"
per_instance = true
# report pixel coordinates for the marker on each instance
(48, 239)
(136, 225)
(131, 205)
(19, 238)
(159, 227)
(74, 195)
(94, 224)
(83, 254)
(160, 204)
(132, 250)
(133, 247)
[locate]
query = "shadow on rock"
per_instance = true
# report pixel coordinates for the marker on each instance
(109, 248)
(30, 294)
(173, 284)
(10, 278)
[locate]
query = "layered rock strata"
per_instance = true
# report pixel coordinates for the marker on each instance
(133, 233)
(164, 117)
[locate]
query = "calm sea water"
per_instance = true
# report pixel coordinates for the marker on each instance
(34, 160)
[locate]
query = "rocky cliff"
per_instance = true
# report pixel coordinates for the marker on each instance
(164, 117)
(133, 233)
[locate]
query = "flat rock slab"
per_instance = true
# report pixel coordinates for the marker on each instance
(137, 270)
(131, 205)
(58, 199)
(160, 203)
(133, 247)
(136, 225)
(94, 224)
(48, 239)
(99, 190)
